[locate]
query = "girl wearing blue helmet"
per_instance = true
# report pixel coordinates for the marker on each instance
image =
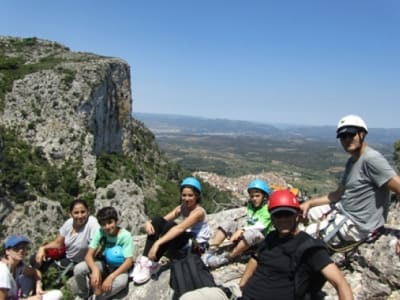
(257, 226)
(163, 234)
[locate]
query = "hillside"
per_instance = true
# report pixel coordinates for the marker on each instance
(309, 158)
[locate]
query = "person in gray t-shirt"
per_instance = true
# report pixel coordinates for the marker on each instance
(72, 242)
(361, 201)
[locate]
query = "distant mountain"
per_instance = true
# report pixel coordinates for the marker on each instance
(166, 124)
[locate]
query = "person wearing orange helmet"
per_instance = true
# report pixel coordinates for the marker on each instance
(357, 209)
(269, 271)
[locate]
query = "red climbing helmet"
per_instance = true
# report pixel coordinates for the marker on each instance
(283, 200)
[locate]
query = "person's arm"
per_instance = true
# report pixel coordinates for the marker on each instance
(195, 216)
(332, 197)
(3, 294)
(95, 278)
(335, 277)
(394, 185)
(41, 253)
(172, 215)
(126, 265)
(248, 272)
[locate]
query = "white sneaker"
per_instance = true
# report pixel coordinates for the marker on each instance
(142, 273)
(136, 269)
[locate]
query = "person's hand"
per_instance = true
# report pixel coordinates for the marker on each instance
(237, 235)
(148, 226)
(40, 256)
(107, 284)
(398, 247)
(304, 208)
(153, 251)
(39, 288)
(95, 278)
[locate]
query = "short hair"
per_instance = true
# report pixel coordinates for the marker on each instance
(107, 213)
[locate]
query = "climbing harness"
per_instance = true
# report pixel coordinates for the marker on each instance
(343, 246)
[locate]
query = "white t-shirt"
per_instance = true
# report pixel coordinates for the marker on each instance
(77, 244)
(7, 281)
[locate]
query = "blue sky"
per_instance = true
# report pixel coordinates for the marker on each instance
(298, 62)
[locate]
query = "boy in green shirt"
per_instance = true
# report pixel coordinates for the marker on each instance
(109, 275)
(258, 225)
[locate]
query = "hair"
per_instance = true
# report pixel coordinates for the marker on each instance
(107, 213)
(195, 191)
(76, 202)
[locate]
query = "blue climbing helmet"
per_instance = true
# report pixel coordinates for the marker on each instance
(114, 256)
(192, 182)
(260, 185)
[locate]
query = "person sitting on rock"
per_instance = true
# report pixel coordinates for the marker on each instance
(163, 234)
(258, 225)
(114, 246)
(356, 211)
(18, 280)
(273, 271)
(70, 246)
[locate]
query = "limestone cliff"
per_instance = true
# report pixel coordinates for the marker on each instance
(70, 108)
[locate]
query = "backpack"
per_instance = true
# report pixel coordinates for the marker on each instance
(189, 273)
(308, 284)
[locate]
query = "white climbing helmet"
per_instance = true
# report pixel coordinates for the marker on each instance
(348, 122)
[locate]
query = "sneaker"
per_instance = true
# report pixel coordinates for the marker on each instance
(155, 267)
(210, 252)
(136, 269)
(215, 261)
(142, 273)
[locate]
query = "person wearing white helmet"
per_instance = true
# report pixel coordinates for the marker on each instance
(357, 209)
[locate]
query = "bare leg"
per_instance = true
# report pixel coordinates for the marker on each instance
(241, 247)
(218, 239)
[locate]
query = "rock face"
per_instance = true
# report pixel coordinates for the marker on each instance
(73, 107)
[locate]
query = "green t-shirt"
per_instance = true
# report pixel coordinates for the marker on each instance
(123, 239)
(259, 218)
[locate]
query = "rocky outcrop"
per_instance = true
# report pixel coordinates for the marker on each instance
(373, 272)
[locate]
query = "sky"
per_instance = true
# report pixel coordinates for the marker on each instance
(304, 62)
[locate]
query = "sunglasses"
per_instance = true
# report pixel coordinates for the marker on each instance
(346, 135)
(20, 247)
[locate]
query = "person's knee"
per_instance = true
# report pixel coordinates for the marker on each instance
(81, 269)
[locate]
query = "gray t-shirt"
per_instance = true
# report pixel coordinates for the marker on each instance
(366, 200)
(77, 244)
